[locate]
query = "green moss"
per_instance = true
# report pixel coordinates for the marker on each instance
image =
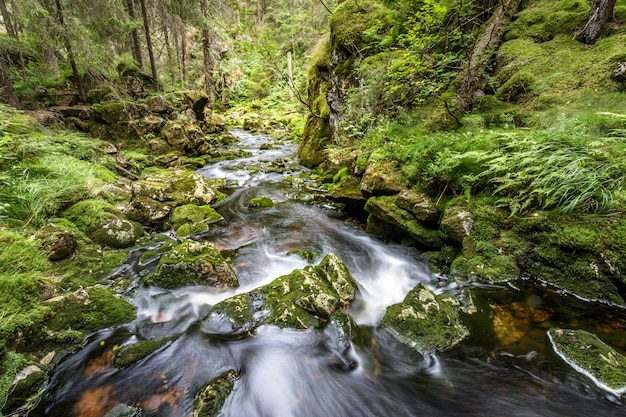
(353, 24)
(191, 213)
(519, 84)
(260, 203)
(89, 215)
(89, 310)
(213, 395)
(129, 354)
(193, 263)
(307, 255)
(190, 229)
(425, 321)
(10, 364)
(587, 354)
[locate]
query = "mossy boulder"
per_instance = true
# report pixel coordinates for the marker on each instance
(191, 213)
(381, 178)
(193, 263)
(420, 204)
(88, 310)
(158, 104)
(304, 299)
(426, 321)
(129, 354)
(457, 223)
(213, 395)
(119, 112)
(118, 233)
(590, 356)
(158, 191)
(384, 209)
(57, 242)
(260, 203)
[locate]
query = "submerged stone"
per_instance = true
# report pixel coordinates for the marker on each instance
(304, 299)
(193, 263)
(260, 203)
(130, 354)
(590, 356)
(426, 321)
(213, 395)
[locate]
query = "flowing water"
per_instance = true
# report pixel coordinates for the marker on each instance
(508, 371)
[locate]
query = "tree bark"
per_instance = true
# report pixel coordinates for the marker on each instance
(209, 84)
(70, 53)
(473, 76)
(6, 18)
(135, 41)
(290, 74)
(601, 12)
(146, 27)
(7, 92)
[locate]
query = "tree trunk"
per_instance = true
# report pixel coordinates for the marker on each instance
(472, 78)
(290, 74)
(7, 92)
(70, 53)
(146, 27)
(6, 18)
(135, 42)
(209, 84)
(183, 52)
(601, 12)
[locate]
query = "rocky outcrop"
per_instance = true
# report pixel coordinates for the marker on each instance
(193, 263)
(426, 321)
(304, 299)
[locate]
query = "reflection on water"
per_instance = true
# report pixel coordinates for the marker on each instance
(505, 369)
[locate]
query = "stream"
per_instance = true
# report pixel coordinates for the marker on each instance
(295, 373)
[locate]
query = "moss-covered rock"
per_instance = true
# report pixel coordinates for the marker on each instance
(88, 310)
(588, 355)
(381, 178)
(193, 263)
(158, 191)
(56, 242)
(304, 299)
(260, 203)
(129, 354)
(191, 213)
(118, 233)
(385, 210)
(420, 204)
(457, 223)
(426, 321)
(28, 384)
(119, 112)
(213, 395)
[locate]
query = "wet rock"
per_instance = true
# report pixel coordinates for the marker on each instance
(27, 384)
(213, 395)
(426, 321)
(193, 263)
(381, 178)
(118, 233)
(420, 204)
(56, 242)
(385, 209)
(304, 299)
(260, 203)
(458, 223)
(588, 355)
(339, 332)
(129, 354)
